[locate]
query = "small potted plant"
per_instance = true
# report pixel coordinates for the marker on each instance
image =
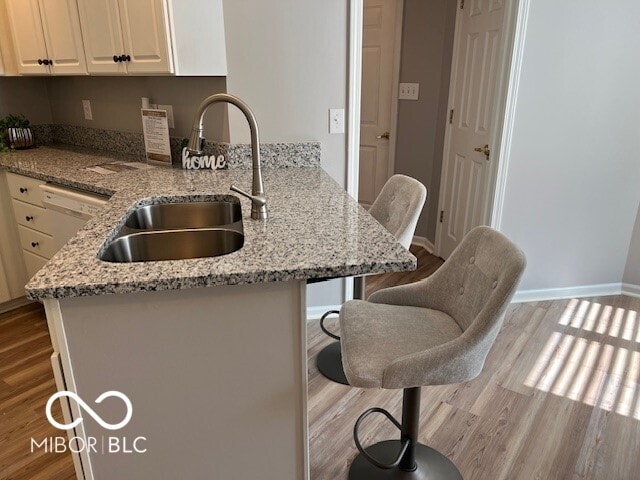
(15, 133)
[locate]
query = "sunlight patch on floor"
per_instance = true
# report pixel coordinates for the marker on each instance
(592, 358)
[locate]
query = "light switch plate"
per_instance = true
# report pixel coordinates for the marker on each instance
(169, 109)
(409, 91)
(336, 120)
(86, 107)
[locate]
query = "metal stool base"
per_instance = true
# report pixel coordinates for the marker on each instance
(432, 465)
(329, 362)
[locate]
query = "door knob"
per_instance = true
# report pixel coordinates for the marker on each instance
(484, 150)
(385, 135)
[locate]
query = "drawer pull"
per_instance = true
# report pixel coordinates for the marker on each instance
(23, 190)
(34, 244)
(28, 218)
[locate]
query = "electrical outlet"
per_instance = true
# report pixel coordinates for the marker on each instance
(409, 91)
(169, 109)
(86, 107)
(336, 120)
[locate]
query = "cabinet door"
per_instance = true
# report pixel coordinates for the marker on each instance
(28, 37)
(145, 28)
(102, 35)
(5, 295)
(63, 37)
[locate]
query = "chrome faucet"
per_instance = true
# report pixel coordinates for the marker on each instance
(257, 196)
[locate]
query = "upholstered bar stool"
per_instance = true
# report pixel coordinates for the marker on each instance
(433, 332)
(397, 208)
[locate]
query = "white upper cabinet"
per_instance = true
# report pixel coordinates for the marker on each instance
(126, 36)
(154, 37)
(147, 40)
(102, 34)
(28, 37)
(63, 37)
(46, 37)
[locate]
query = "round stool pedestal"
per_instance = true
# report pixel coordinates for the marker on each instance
(329, 362)
(431, 464)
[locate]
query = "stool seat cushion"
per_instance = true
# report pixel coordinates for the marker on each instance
(375, 335)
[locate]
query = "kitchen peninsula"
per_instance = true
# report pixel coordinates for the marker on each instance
(210, 351)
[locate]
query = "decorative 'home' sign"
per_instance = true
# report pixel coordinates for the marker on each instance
(195, 162)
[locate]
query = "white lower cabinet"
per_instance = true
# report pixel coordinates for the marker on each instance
(31, 222)
(5, 293)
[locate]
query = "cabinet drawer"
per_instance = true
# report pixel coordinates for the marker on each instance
(36, 242)
(33, 262)
(36, 218)
(25, 189)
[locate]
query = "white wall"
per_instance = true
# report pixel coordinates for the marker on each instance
(632, 270)
(288, 60)
(572, 186)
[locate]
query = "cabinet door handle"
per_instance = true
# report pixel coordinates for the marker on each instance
(116, 59)
(40, 62)
(28, 218)
(126, 58)
(23, 190)
(34, 244)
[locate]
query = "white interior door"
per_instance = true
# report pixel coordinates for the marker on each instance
(100, 20)
(61, 26)
(145, 28)
(477, 57)
(379, 34)
(28, 37)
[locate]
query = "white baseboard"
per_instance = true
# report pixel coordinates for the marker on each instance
(569, 292)
(631, 290)
(424, 243)
(314, 313)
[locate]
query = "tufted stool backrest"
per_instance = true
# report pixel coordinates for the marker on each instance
(479, 278)
(398, 207)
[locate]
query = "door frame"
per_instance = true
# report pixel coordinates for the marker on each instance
(515, 30)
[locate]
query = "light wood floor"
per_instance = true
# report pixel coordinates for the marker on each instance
(558, 398)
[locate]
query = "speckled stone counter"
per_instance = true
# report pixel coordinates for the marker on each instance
(315, 228)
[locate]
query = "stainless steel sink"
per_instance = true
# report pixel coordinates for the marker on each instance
(178, 231)
(171, 216)
(173, 245)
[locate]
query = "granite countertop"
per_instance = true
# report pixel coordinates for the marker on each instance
(315, 229)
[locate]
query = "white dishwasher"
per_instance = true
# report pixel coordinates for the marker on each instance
(68, 210)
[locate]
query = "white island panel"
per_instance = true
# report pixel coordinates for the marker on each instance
(216, 376)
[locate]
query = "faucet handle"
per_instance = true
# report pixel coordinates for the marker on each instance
(258, 203)
(258, 200)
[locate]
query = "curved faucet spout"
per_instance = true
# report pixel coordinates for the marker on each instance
(257, 197)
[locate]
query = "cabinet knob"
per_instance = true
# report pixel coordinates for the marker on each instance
(23, 190)
(28, 218)
(34, 244)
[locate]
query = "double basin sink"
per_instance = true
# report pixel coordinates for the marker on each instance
(178, 231)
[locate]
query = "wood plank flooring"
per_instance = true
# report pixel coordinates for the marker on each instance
(26, 383)
(558, 397)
